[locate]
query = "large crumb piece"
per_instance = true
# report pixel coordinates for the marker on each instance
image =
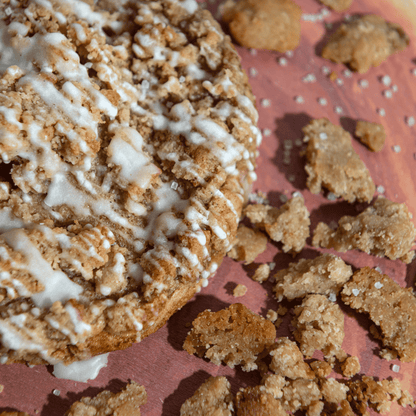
(337, 5)
(262, 273)
(323, 275)
(364, 42)
(213, 398)
(332, 163)
(288, 224)
(125, 403)
(248, 245)
(234, 335)
(264, 24)
(302, 394)
(377, 395)
(389, 306)
(372, 135)
(319, 325)
(253, 401)
(333, 391)
(287, 360)
(384, 229)
(350, 367)
(239, 290)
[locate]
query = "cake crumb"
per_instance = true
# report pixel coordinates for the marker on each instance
(323, 275)
(332, 163)
(257, 401)
(234, 335)
(372, 135)
(239, 290)
(364, 42)
(350, 367)
(384, 229)
(321, 368)
(272, 315)
(262, 273)
(333, 76)
(248, 244)
(282, 311)
(392, 308)
(264, 24)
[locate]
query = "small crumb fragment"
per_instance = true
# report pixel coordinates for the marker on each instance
(333, 163)
(1, 388)
(278, 322)
(333, 76)
(372, 135)
(384, 229)
(350, 367)
(364, 42)
(321, 368)
(248, 244)
(282, 311)
(239, 290)
(337, 5)
(234, 335)
(272, 315)
(323, 275)
(262, 273)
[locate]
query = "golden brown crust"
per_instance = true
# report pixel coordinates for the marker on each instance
(364, 42)
(264, 24)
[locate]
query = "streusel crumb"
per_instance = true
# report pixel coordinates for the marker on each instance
(350, 367)
(332, 163)
(364, 42)
(239, 290)
(234, 335)
(262, 273)
(337, 5)
(389, 306)
(384, 229)
(248, 245)
(319, 325)
(321, 368)
(256, 401)
(272, 315)
(372, 135)
(288, 224)
(264, 24)
(323, 275)
(125, 403)
(212, 398)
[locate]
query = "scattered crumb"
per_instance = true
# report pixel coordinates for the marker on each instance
(234, 335)
(372, 135)
(332, 163)
(262, 273)
(364, 42)
(278, 322)
(337, 5)
(288, 224)
(384, 229)
(282, 310)
(239, 290)
(321, 368)
(319, 325)
(350, 367)
(272, 315)
(188, 324)
(392, 308)
(333, 391)
(323, 275)
(333, 76)
(257, 401)
(264, 24)
(1, 388)
(212, 398)
(248, 244)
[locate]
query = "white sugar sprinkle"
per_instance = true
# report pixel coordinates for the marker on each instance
(296, 194)
(378, 285)
(282, 61)
(174, 186)
(332, 297)
(338, 109)
(410, 121)
(381, 112)
(414, 72)
(395, 88)
(380, 189)
(253, 72)
(283, 198)
(267, 132)
(56, 392)
(348, 17)
(395, 368)
(265, 102)
(289, 54)
(272, 265)
(299, 99)
(325, 70)
(339, 81)
(355, 292)
(323, 136)
(253, 52)
(397, 148)
(387, 93)
(322, 101)
(347, 73)
(331, 196)
(298, 142)
(377, 269)
(386, 80)
(309, 78)
(364, 83)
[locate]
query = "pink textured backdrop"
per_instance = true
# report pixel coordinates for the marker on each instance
(169, 374)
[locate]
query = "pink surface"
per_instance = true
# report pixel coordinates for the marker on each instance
(169, 374)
